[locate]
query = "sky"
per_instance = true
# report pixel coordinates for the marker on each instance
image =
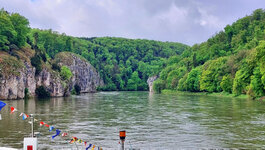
(184, 21)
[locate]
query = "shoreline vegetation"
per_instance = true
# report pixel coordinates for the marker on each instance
(222, 94)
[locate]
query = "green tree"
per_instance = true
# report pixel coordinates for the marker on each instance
(158, 85)
(7, 31)
(227, 83)
(213, 74)
(66, 73)
(133, 82)
(193, 79)
(256, 88)
(21, 26)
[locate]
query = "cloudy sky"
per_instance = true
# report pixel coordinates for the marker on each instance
(185, 21)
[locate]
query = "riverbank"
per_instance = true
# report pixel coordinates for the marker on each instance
(223, 94)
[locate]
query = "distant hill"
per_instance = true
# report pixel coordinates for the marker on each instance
(124, 64)
(231, 61)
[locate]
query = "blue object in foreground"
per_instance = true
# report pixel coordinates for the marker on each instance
(57, 133)
(2, 105)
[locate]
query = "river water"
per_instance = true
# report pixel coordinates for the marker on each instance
(152, 121)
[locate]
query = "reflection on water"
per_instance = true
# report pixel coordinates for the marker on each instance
(152, 121)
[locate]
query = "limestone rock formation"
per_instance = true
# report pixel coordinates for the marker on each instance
(21, 75)
(150, 82)
(84, 74)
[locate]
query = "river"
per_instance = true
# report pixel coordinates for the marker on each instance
(152, 121)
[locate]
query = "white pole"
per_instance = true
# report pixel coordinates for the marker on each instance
(32, 125)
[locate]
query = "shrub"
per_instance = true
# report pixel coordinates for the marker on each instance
(227, 83)
(42, 92)
(158, 85)
(193, 79)
(182, 86)
(66, 73)
(36, 62)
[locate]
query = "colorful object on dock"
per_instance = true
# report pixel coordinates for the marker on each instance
(57, 133)
(51, 128)
(93, 147)
(47, 125)
(24, 116)
(2, 105)
(13, 110)
(64, 134)
(90, 145)
(73, 140)
(42, 123)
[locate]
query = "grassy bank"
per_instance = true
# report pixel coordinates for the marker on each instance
(223, 94)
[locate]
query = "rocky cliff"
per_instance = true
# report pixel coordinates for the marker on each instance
(150, 82)
(84, 74)
(18, 76)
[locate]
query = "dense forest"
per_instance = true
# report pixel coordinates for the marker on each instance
(124, 64)
(232, 61)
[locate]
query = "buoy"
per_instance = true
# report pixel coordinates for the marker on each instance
(122, 138)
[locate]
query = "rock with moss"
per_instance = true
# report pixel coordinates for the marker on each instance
(150, 82)
(16, 77)
(83, 73)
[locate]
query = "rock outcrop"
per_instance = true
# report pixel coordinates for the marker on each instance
(150, 81)
(21, 77)
(52, 82)
(13, 86)
(84, 74)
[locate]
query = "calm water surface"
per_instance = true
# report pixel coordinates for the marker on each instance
(152, 121)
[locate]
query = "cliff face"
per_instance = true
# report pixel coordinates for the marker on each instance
(84, 74)
(150, 82)
(13, 84)
(51, 81)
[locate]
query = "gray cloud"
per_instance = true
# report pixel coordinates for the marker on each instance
(185, 21)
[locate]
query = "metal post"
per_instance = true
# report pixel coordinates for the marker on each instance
(122, 144)
(32, 125)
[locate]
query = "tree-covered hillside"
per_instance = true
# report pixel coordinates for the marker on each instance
(124, 64)
(232, 61)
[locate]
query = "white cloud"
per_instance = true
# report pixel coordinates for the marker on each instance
(186, 21)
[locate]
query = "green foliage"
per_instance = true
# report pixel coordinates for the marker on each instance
(116, 59)
(21, 26)
(182, 86)
(42, 92)
(13, 30)
(158, 85)
(227, 83)
(193, 79)
(256, 88)
(228, 61)
(36, 62)
(240, 82)
(212, 75)
(66, 73)
(133, 82)
(261, 58)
